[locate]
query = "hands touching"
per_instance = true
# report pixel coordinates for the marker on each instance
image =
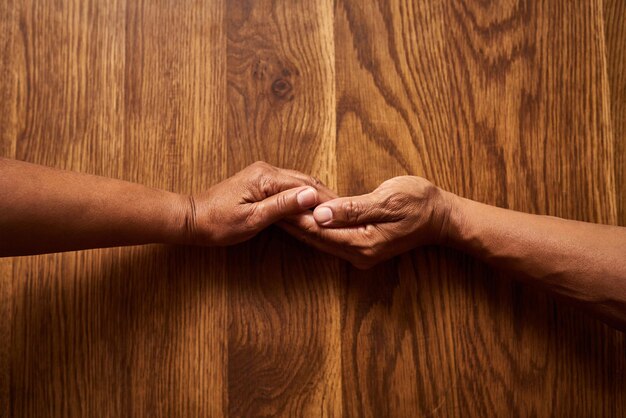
(47, 210)
(241, 206)
(578, 260)
(402, 213)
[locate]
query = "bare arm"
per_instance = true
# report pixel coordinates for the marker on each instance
(44, 210)
(581, 261)
(48, 210)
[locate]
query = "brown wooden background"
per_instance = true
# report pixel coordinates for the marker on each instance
(516, 103)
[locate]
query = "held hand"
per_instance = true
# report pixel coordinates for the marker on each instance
(241, 206)
(402, 213)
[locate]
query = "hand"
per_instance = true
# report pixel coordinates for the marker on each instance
(240, 207)
(402, 213)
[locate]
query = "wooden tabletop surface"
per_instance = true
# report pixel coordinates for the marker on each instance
(520, 104)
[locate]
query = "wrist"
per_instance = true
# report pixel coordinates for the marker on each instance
(468, 222)
(452, 224)
(180, 223)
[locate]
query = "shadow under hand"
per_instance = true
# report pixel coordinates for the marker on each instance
(438, 330)
(119, 332)
(283, 341)
(176, 331)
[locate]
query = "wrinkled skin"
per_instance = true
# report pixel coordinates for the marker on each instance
(402, 213)
(243, 205)
(43, 209)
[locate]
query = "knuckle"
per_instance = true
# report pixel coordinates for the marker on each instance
(256, 173)
(282, 203)
(314, 181)
(368, 252)
(260, 164)
(431, 192)
(259, 169)
(253, 218)
(266, 184)
(311, 231)
(352, 210)
(369, 234)
(395, 201)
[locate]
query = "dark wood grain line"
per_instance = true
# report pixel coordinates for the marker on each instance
(615, 32)
(9, 82)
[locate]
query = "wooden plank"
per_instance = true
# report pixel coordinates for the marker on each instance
(72, 85)
(130, 92)
(515, 104)
(615, 32)
(392, 93)
(6, 325)
(9, 114)
(505, 104)
(283, 344)
(537, 132)
(176, 90)
(10, 85)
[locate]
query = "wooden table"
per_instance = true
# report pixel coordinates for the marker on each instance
(520, 104)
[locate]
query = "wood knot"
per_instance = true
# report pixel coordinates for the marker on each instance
(281, 88)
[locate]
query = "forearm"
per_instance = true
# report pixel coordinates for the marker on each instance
(48, 210)
(582, 261)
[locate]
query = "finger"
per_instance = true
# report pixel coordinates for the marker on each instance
(326, 193)
(305, 231)
(352, 244)
(307, 238)
(280, 205)
(353, 211)
(348, 244)
(268, 180)
(343, 237)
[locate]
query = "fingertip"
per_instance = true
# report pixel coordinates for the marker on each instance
(323, 215)
(307, 198)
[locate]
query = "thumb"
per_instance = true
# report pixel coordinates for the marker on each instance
(280, 205)
(351, 211)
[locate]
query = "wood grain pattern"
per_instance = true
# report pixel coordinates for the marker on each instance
(8, 127)
(615, 32)
(513, 103)
(499, 103)
(284, 313)
(107, 91)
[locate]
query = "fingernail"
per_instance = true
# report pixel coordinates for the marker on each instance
(323, 215)
(307, 198)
